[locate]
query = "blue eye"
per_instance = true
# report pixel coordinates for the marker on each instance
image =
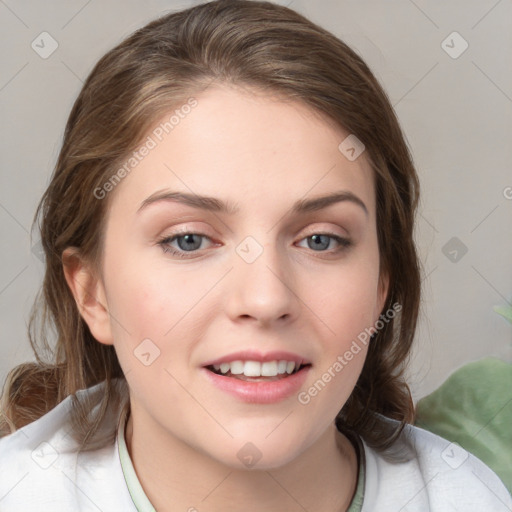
(322, 240)
(189, 243)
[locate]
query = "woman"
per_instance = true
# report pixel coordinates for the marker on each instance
(231, 272)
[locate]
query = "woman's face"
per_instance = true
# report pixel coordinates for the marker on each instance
(258, 274)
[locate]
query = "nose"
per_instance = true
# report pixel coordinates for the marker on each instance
(262, 285)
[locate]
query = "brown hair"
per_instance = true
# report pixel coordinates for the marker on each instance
(242, 43)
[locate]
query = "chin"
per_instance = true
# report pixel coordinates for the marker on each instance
(257, 455)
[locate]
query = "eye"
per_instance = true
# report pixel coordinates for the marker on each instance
(188, 242)
(322, 241)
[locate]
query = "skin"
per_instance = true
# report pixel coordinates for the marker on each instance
(262, 154)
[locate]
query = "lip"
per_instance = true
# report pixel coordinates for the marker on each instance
(252, 355)
(259, 392)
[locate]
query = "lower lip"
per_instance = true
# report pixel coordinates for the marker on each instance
(259, 392)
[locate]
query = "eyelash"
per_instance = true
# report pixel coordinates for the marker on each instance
(164, 242)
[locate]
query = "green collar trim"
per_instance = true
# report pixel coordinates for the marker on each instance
(142, 503)
(139, 498)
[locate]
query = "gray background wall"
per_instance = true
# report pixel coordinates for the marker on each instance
(455, 107)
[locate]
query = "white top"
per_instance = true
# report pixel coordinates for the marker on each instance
(41, 471)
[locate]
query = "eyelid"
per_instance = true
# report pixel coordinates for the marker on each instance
(187, 229)
(325, 231)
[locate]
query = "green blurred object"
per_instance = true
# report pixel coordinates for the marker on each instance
(473, 408)
(504, 311)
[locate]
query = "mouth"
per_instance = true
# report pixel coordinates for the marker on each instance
(258, 378)
(256, 371)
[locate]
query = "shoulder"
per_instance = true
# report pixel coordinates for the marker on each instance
(425, 473)
(42, 468)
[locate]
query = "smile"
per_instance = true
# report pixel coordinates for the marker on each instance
(259, 390)
(250, 369)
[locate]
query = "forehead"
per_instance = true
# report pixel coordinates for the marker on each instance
(246, 147)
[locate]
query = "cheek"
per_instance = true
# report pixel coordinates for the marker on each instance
(149, 301)
(347, 308)
(349, 300)
(140, 307)
(144, 297)
(149, 313)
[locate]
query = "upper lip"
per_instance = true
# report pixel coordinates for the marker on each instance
(252, 355)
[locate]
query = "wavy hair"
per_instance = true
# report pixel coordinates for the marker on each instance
(244, 43)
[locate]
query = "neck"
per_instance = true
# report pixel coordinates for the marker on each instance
(175, 476)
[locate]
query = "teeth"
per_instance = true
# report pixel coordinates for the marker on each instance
(252, 369)
(257, 369)
(269, 369)
(237, 367)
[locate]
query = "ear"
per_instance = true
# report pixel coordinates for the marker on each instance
(89, 293)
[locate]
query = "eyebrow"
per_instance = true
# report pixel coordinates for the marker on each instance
(216, 205)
